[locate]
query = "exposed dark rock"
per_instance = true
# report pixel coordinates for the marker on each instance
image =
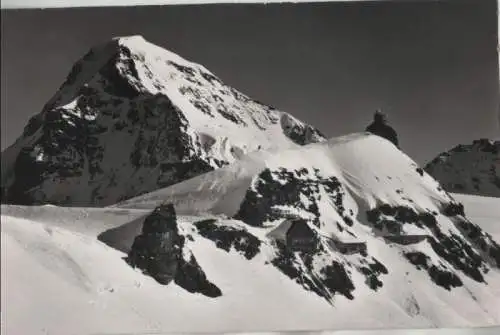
(158, 252)
(299, 132)
(428, 219)
(486, 145)
(203, 107)
(75, 71)
(337, 280)
(209, 77)
(453, 209)
(173, 172)
(419, 259)
(230, 116)
(330, 280)
(302, 135)
(444, 278)
(184, 69)
(483, 242)
(117, 83)
(272, 189)
(228, 237)
(372, 273)
(378, 267)
(191, 277)
(390, 219)
(439, 275)
(33, 125)
(450, 247)
(169, 154)
(459, 254)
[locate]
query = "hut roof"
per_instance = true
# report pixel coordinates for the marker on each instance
(280, 232)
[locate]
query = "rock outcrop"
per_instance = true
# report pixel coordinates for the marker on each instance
(160, 252)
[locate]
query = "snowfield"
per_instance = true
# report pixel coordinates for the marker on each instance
(63, 269)
(484, 210)
(57, 278)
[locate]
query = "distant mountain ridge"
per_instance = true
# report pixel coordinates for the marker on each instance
(470, 169)
(132, 117)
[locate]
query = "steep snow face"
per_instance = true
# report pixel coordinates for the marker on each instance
(131, 118)
(358, 192)
(469, 169)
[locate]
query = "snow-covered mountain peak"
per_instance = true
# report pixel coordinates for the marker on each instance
(137, 39)
(132, 117)
(470, 169)
(137, 44)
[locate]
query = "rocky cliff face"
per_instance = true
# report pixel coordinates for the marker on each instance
(442, 242)
(160, 252)
(131, 118)
(469, 169)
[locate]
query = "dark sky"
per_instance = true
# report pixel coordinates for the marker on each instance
(431, 65)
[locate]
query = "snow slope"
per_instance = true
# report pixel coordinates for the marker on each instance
(344, 187)
(90, 289)
(469, 169)
(132, 117)
(359, 161)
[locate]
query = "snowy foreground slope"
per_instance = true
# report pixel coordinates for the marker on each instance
(132, 117)
(469, 169)
(424, 265)
(78, 285)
